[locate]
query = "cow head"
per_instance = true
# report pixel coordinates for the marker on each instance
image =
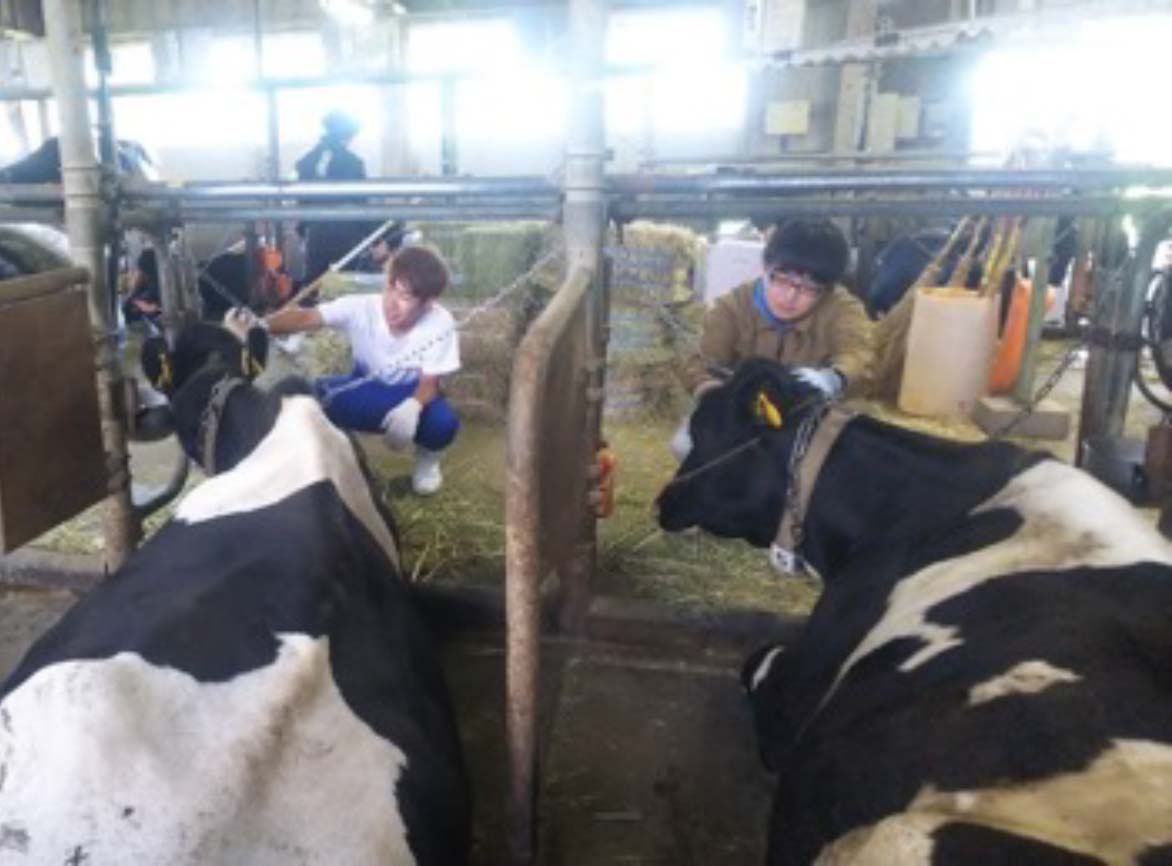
(207, 363)
(733, 481)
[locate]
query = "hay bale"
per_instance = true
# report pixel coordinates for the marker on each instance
(487, 347)
(655, 262)
(325, 353)
(338, 284)
(635, 391)
(654, 318)
(484, 258)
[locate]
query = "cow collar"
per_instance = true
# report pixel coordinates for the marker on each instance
(815, 437)
(209, 421)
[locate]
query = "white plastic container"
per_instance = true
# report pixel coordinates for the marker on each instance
(950, 349)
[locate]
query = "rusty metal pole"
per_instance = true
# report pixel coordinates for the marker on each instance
(176, 309)
(1114, 356)
(81, 182)
(584, 216)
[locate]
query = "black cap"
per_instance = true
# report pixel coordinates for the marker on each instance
(814, 247)
(339, 125)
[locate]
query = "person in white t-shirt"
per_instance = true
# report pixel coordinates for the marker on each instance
(403, 343)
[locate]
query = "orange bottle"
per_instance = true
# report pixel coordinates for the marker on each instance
(1007, 361)
(607, 463)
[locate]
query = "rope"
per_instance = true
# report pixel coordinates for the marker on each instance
(403, 361)
(339, 264)
(1072, 353)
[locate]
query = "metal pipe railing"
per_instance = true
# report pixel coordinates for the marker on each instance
(923, 206)
(87, 235)
(407, 187)
(890, 179)
(140, 218)
(1097, 192)
(31, 192)
(823, 156)
(525, 541)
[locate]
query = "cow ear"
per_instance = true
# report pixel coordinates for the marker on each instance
(767, 410)
(254, 353)
(157, 365)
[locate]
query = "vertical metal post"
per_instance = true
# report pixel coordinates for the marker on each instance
(449, 149)
(170, 292)
(1112, 362)
(83, 223)
(1043, 247)
(273, 154)
(584, 215)
(107, 146)
(43, 117)
(276, 230)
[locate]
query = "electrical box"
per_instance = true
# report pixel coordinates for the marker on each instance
(22, 18)
(52, 464)
(883, 122)
(791, 117)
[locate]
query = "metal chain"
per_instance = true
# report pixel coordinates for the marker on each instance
(402, 361)
(1043, 392)
(802, 441)
(1064, 364)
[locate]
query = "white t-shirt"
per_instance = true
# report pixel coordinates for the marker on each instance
(430, 348)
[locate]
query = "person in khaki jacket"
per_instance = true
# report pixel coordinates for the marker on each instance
(795, 313)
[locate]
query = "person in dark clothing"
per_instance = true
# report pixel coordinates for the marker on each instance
(902, 261)
(144, 304)
(223, 284)
(43, 165)
(375, 257)
(330, 159)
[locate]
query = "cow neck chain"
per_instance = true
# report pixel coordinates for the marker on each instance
(793, 490)
(209, 421)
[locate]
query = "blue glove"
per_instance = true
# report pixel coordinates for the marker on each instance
(826, 379)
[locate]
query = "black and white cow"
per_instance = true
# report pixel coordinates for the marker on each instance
(254, 686)
(987, 677)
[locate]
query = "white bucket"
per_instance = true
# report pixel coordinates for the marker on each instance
(950, 349)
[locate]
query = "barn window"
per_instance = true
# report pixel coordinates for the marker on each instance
(690, 86)
(1094, 91)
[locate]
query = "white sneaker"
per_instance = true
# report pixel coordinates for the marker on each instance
(427, 478)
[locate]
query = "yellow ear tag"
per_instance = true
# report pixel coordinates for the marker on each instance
(767, 411)
(164, 373)
(249, 366)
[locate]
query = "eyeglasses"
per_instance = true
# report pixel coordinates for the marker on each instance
(795, 281)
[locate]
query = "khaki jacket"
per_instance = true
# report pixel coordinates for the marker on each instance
(836, 333)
